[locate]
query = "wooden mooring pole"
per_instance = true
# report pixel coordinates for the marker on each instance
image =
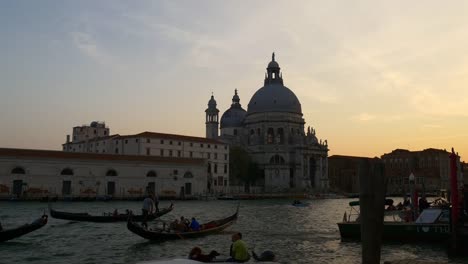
(372, 202)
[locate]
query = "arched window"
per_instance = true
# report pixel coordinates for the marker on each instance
(188, 174)
(18, 170)
(277, 159)
(151, 173)
(67, 171)
(270, 136)
(111, 172)
(280, 136)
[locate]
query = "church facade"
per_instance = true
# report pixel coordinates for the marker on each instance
(272, 132)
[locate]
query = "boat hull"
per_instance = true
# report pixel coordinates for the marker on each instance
(399, 231)
(159, 235)
(9, 234)
(85, 217)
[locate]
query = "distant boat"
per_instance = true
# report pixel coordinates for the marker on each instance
(8, 234)
(298, 203)
(85, 217)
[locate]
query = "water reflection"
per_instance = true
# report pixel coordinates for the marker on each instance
(295, 234)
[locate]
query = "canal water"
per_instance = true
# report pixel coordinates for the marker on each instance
(295, 234)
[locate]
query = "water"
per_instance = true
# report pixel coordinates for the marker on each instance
(295, 234)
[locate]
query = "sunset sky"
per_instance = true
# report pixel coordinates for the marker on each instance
(372, 76)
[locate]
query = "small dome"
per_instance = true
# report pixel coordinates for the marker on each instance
(273, 64)
(212, 106)
(235, 115)
(212, 102)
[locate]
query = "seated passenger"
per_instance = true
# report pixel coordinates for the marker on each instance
(194, 225)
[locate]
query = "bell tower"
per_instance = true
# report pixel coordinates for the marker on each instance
(212, 119)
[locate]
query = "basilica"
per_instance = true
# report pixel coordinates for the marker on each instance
(272, 131)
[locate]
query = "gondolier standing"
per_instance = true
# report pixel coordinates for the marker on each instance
(148, 208)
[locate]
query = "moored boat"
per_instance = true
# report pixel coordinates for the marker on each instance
(157, 234)
(86, 217)
(8, 234)
(432, 225)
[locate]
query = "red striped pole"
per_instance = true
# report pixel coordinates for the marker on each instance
(454, 188)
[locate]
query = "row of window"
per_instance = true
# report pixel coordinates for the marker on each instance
(110, 172)
(179, 143)
(148, 141)
(215, 168)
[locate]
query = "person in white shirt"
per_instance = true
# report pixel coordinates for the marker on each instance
(148, 208)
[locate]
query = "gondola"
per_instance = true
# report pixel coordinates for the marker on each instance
(8, 234)
(162, 235)
(85, 217)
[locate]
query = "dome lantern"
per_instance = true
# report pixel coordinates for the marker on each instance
(273, 72)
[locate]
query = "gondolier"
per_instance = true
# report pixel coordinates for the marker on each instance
(148, 208)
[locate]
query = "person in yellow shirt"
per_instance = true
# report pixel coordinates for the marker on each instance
(239, 251)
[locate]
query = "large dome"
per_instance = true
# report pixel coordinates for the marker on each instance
(274, 96)
(235, 115)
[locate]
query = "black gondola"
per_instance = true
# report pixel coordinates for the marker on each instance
(8, 234)
(162, 235)
(85, 217)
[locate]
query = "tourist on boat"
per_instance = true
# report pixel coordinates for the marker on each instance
(406, 202)
(391, 207)
(174, 225)
(238, 251)
(399, 206)
(184, 221)
(148, 208)
(194, 225)
(197, 254)
(423, 204)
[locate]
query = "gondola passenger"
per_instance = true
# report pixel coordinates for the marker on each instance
(194, 225)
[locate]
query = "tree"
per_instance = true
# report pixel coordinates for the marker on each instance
(242, 169)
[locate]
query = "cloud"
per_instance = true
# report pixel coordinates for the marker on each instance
(88, 46)
(363, 117)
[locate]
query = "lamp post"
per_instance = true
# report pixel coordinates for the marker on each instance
(413, 202)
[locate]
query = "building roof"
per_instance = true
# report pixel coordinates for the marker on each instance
(347, 157)
(148, 134)
(53, 154)
(92, 139)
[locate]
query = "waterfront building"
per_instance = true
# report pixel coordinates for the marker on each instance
(34, 174)
(272, 131)
(213, 151)
(431, 168)
(343, 172)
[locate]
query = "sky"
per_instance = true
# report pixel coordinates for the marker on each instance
(371, 76)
